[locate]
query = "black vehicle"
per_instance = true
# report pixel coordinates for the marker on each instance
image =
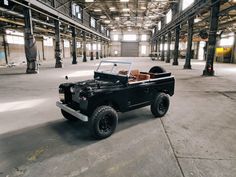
(115, 87)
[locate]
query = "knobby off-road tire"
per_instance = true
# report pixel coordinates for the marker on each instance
(160, 105)
(157, 69)
(103, 122)
(68, 116)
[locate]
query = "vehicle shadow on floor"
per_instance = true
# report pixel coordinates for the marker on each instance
(58, 137)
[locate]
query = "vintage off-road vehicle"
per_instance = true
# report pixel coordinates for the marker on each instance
(115, 88)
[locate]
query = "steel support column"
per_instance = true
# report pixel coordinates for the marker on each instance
(176, 50)
(163, 48)
(30, 43)
(84, 47)
(209, 70)
(168, 47)
(59, 62)
(104, 50)
(5, 47)
(74, 46)
(97, 54)
(101, 52)
(187, 64)
(91, 52)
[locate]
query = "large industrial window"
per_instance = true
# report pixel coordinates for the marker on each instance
(66, 43)
(227, 40)
(94, 46)
(78, 44)
(143, 37)
(143, 49)
(76, 11)
(99, 46)
(14, 37)
(47, 41)
(169, 16)
(92, 22)
(187, 3)
(115, 37)
(102, 29)
(129, 37)
(159, 25)
(88, 46)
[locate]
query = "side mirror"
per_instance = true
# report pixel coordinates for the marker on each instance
(66, 77)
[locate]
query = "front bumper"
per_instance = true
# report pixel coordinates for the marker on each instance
(72, 112)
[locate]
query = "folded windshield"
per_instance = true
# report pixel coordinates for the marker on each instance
(115, 67)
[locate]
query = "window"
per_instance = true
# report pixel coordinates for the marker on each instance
(14, 37)
(228, 41)
(108, 33)
(143, 49)
(88, 46)
(129, 37)
(187, 3)
(99, 46)
(159, 25)
(66, 43)
(165, 47)
(169, 16)
(115, 37)
(92, 22)
(78, 44)
(153, 30)
(102, 29)
(143, 37)
(115, 52)
(47, 41)
(94, 47)
(76, 10)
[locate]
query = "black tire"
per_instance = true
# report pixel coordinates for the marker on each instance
(103, 122)
(68, 116)
(160, 105)
(157, 69)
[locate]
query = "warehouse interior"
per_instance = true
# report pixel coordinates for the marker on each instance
(48, 42)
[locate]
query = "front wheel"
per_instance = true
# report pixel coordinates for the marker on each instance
(160, 105)
(103, 122)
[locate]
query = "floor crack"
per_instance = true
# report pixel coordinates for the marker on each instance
(172, 148)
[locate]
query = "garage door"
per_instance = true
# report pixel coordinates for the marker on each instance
(129, 49)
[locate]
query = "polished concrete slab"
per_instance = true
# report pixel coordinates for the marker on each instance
(195, 138)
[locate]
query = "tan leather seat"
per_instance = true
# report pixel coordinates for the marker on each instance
(123, 72)
(143, 77)
(134, 73)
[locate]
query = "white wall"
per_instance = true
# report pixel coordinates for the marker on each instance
(115, 49)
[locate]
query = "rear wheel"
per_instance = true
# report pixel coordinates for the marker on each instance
(103, 122)
(68, 116)
(160, 105)
(157, 69)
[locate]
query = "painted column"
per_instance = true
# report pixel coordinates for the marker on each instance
(84, 47)
(168, 47)
(163, 48)
(187, 64)
(97, 53)
(176, 50)
(74, 46)
(30, 43)
(58, 45)
(209, 70)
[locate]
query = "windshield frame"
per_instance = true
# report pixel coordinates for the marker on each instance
(115, 62)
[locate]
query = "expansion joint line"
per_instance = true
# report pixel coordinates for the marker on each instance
(172, 148)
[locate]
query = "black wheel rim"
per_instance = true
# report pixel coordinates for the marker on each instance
(106, 124)
(163, 106)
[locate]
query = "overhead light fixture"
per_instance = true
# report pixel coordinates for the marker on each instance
(117, 18)
(112, 9)
(114, 30)
(103, 17)
(126, 15)
(97, 10)
(126, 10)
(107, 21)
(143, 8)
(89, 0)
(124, 0)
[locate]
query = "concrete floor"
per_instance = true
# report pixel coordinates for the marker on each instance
(197, 137)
